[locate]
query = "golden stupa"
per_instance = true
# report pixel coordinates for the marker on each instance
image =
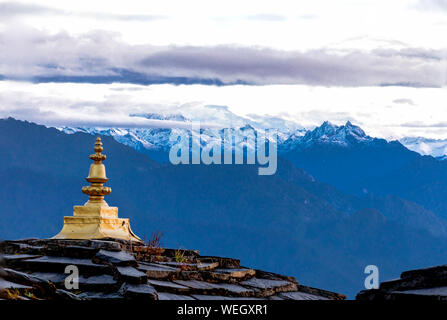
(95, 219)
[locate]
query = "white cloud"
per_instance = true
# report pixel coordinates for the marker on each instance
(103, 105)
(432, 4)
(27, 53)
(404, 101)
(283, 24)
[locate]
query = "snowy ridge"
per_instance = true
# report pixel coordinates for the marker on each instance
(424, 146)
(290, 135)
(158, 139)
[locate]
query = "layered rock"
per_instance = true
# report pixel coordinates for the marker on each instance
(119, 269)
(420, 284)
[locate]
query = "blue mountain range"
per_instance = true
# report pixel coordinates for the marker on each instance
(339, 201)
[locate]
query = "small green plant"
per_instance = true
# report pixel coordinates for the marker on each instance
(13, 294)
(180, 256)
(30, 295)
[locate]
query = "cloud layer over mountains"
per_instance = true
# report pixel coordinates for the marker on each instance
(380, 64)
(102, 57)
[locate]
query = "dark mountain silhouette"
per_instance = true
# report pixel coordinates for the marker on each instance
(309, 229)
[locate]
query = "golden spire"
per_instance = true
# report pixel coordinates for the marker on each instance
(95, 219)
(97, 178)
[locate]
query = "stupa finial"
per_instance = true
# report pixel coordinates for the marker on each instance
(97, 178)
(98, 156)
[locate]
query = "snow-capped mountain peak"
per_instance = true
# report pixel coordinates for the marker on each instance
(327, 129)
(329, 133)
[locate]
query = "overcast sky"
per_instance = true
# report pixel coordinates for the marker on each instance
(380, 64)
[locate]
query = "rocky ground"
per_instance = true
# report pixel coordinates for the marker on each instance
(112, 269)
(421, 284)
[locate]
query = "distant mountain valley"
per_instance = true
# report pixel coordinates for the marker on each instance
(339, 201)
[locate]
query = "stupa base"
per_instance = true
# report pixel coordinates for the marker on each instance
(96, 223)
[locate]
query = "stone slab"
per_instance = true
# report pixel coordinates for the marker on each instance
(211, 297)
(95, 283)
(56, 278)
(157, 271)
(71, 251)
(439, 291)
(61, 294)
(141, 291)
(119, 258)
(295, 295)
(16, 257)
(131, 275)
(268, 287)
(171, 296)
(58, 264)
(12, 247)
(264, 283)
(223, 262)
(106, 245)
(100, 296)
(234, 289)
(198, 285)
(217, 288)
(205, 266)
(168, 286)
(275, 297)
(237, 273)
(208, 297)
(426, 272)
